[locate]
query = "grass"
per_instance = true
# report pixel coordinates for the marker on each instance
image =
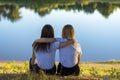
(109, 70)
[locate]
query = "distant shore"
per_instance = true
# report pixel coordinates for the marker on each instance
(3, 61)
(103, 62)
(17, 62)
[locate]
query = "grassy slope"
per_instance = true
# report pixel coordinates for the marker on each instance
(89, 71)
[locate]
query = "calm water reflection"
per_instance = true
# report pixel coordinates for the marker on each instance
(96, 27)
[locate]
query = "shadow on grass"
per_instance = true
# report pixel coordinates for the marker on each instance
(45, 77)
(7, 76)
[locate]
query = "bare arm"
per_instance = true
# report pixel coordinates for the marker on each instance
(33, 59)
(43, 40)
(64, 44)
(79, 58)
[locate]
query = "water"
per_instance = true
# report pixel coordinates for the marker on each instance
(96, 28)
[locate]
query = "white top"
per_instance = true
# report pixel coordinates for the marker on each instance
(69, 55)
(46, 60)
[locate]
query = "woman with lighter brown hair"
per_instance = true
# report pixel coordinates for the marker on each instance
(69, 55)
(43, 56)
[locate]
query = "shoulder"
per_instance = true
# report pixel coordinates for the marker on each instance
(55, 44)
(78, 47)
(61, 39)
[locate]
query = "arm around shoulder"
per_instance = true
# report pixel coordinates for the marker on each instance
(43, 40)
(67, 43)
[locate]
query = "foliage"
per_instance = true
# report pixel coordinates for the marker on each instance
(10, 9)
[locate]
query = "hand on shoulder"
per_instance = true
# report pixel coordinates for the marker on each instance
(75, 42)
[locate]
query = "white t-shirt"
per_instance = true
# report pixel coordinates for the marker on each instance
(69, 55)
(46, 60)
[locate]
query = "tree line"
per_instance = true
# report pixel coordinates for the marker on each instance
(10, 8)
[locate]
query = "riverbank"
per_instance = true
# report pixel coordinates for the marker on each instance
(16, 62)
(19, 70)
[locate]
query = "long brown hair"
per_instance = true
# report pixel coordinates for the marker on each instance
(47, 32)
(68, 32)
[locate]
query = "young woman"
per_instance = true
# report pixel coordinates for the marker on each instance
(43, 56)
(69, 55)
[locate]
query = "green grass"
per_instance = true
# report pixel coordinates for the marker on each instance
(109, 70)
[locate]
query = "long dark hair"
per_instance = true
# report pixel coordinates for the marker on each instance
(47, 32)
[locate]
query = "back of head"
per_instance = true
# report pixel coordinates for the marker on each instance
(47, 32)
(68, 32)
